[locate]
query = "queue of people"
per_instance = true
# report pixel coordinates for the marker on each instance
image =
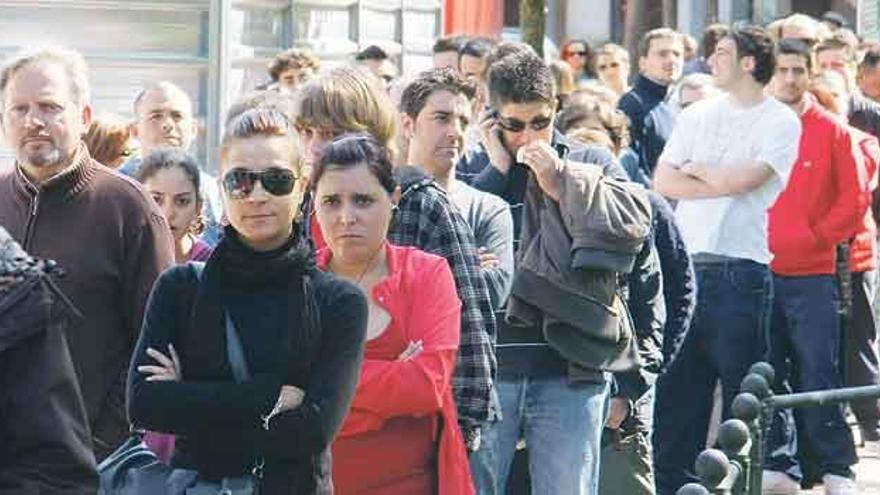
(499, 275)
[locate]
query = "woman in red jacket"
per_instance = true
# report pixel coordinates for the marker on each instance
(401, 435)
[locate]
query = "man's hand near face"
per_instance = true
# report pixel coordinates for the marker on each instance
(490, 135)
(543, 161)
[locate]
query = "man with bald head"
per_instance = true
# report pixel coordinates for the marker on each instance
(164, 119)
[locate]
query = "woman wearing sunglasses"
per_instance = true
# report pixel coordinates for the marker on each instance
(579, 55)
(253, 360)
(612, 66)
(401, 435)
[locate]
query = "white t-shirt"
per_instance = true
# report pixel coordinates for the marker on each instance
(717, 133)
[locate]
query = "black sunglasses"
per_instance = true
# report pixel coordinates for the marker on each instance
(516, 125)
(277, 181)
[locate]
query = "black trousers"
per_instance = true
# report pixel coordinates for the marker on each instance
(859, 360)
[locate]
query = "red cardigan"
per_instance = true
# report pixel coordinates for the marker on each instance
(825, 200)
(863, 251)
(419, 294)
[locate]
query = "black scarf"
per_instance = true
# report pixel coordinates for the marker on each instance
(232, 268)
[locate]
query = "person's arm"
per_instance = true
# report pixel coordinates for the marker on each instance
(184, 407)
(496, 236)
(309, 429)
(852, 197)
(418, 385)
(647, 308)
(679, 280)
(731, 180)
(496, 161)
(147, 250)
(671, 181)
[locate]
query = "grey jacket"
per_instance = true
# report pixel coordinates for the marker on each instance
(570, 255)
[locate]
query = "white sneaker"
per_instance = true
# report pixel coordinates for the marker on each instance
(839, 485)
(778, 483)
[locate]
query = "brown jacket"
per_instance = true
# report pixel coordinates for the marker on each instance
(110, 238)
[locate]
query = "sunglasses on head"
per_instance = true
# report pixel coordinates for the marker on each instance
(277, 181)
(516, 125)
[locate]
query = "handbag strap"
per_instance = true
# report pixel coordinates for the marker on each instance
(234, 351)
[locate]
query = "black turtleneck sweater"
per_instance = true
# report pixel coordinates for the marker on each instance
(218, 421)
(637, 103)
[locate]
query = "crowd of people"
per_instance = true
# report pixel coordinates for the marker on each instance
(500, 275)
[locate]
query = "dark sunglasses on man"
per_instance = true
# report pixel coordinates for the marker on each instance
(239, 183)
(517, 126)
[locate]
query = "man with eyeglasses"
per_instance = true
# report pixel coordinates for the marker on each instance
(552, 384)
(727, 160)
(660, 64)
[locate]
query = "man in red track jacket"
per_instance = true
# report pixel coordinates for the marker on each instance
(824, 203)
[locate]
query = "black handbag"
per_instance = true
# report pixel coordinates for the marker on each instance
(133, 469)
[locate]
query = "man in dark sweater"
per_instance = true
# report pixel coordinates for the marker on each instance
(660, 65)
(101, 228)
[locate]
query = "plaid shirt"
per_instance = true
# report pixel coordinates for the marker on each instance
(426, 218)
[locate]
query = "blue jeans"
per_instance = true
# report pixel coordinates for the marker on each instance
(562, 426)
(729, 333)
(804, 346)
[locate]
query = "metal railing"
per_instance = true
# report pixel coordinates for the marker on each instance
(737, 466)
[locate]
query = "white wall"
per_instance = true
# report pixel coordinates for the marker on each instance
(590, 19)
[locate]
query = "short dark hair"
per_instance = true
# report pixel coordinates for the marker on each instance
(711, 35)
(506, 49)
(521, 78)
(754, 41)
(293, 58)
(451, 43)
(870, 60)
(417, 92)
(168, 158)
(372, 52)
(796, 47)
(350, 150)
(656, 34)
(479, 47)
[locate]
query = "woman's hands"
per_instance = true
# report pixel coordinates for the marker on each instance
(168, 370)
(411, 351)
(289, 399)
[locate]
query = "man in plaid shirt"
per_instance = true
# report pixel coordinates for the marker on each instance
(426, 219)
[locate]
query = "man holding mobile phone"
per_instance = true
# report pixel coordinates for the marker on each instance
(557, 189)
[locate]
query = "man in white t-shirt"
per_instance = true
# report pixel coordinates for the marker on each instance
(727, 160)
